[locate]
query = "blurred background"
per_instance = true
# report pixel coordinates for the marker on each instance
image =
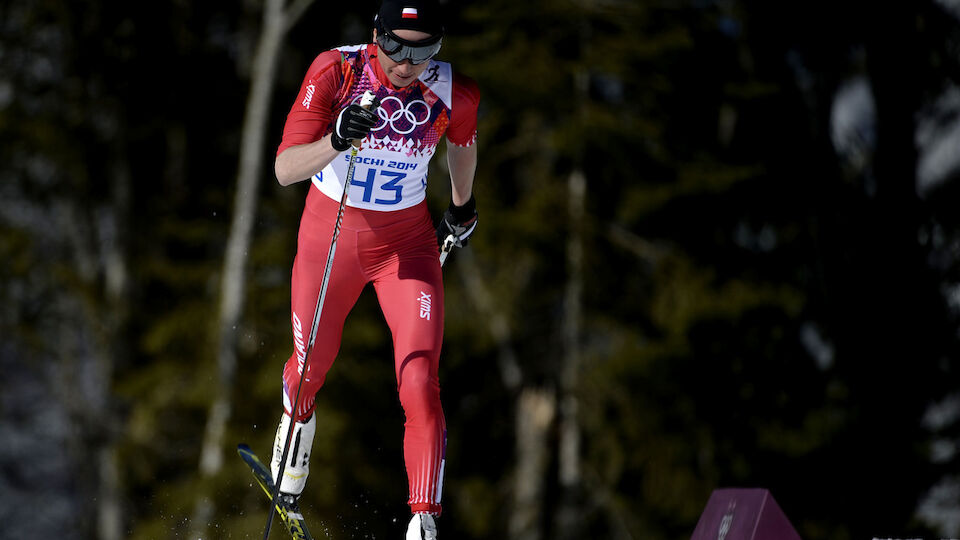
(719, 246)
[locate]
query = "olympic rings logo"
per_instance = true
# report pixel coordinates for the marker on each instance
(403, 118)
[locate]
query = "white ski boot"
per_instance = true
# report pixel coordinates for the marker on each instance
(422, 523)
(298, 457)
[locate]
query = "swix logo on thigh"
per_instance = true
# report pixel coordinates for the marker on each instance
(425, 305)
(298, 343)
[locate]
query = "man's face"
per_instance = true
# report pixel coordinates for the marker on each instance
(403, 73)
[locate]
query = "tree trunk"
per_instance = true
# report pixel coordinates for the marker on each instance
(569, 516)
(277, 21)
(114, 242)
(536, 410)
(93, 341)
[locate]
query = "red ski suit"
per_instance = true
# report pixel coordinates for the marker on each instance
(387, 239)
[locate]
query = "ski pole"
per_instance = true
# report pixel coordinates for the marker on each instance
(447, 247)
(366, 102)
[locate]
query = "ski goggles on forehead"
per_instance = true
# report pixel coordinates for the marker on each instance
(399, 49)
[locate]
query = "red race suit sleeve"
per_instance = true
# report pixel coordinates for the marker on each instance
(462, 130)
(311, 113)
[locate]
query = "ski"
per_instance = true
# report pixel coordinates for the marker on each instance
(289, 513)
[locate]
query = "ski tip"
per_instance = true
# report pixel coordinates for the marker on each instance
(242, 447)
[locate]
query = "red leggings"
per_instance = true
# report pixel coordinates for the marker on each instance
(397, 252)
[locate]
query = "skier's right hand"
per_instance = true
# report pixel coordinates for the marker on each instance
(353, 122)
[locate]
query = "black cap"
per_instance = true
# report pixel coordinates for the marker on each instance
(420, 15)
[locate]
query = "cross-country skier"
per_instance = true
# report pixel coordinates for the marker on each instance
(388, 237)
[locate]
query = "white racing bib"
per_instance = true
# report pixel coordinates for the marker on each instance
(390, 171)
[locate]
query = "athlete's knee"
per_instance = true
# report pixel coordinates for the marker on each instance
(417, 382)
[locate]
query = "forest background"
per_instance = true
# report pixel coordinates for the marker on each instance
(718, 247)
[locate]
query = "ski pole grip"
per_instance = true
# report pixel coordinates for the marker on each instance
(366, 102)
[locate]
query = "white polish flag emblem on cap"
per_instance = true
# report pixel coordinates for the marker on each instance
(409, 13)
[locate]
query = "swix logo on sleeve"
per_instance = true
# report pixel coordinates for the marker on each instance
(308, 97)
(425, 305)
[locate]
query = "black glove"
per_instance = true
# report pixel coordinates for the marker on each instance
(354, 122)
(460, 221)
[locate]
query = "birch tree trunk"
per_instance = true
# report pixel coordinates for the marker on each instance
(116, 273)
(536, 411)
(93, 338)
(277, 21)
(569, 516)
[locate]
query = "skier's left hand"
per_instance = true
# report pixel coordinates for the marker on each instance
(460, 221)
